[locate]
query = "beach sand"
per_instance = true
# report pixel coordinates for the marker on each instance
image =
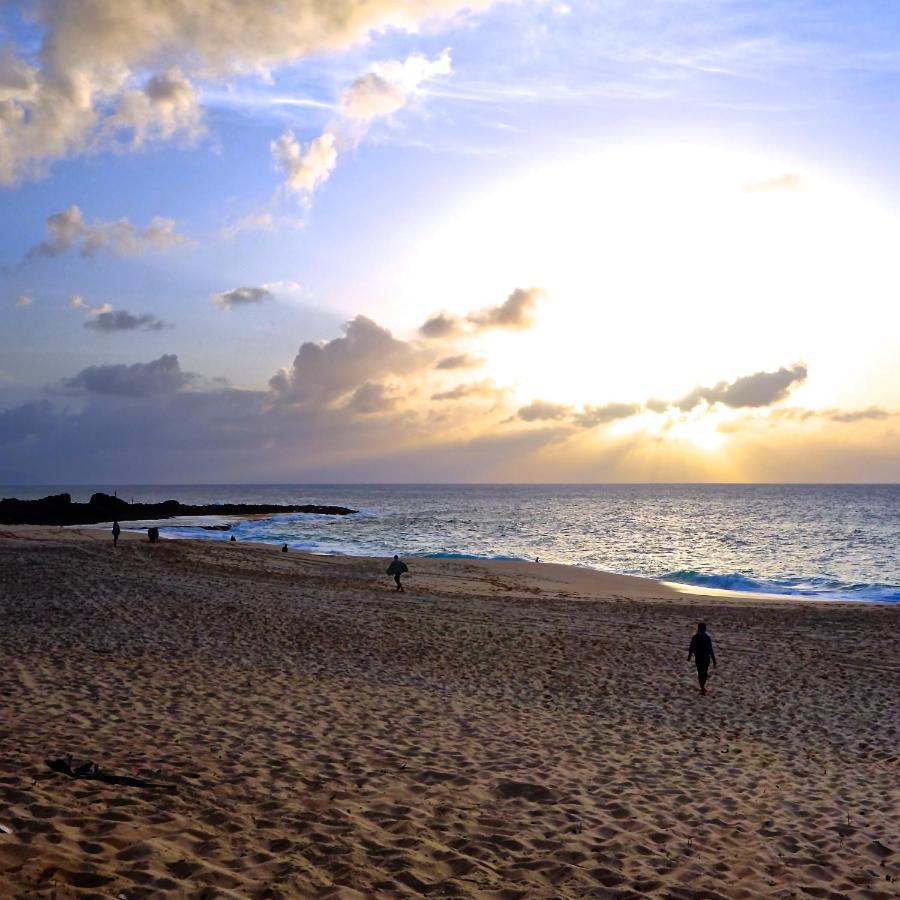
(500, 730)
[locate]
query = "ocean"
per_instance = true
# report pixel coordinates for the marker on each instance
(828, 541)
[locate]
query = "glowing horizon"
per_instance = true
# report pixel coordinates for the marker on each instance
(548, 273)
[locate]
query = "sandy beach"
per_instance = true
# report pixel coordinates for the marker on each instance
(500, 730)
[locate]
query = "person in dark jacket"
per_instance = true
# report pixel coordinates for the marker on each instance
(116, 532)
(397, 568)
(701, 649)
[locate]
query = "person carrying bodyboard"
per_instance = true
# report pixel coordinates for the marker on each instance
(397, 568)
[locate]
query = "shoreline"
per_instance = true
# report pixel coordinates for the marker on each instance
(530, 568)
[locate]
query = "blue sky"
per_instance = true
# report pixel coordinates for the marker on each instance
(465, 154)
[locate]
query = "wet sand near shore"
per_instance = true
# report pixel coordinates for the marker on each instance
(500, 730)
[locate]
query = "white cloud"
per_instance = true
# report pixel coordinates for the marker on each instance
(305, 167)
(76, 301)
(110, 67)
(68, 229)
(242, 296)
(24, 300)
(383, 90)
(165, 106)
(388, 86)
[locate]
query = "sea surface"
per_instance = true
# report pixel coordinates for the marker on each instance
(830, 541)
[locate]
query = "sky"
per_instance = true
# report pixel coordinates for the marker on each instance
(438, 241)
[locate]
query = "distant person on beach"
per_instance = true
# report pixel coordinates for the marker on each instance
(116, 532)
(284, 548)
(234, 538)
(701, 649)
(397, 568)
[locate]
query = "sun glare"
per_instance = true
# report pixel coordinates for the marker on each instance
(665, 267)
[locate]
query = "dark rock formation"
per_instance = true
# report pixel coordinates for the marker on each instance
(60, 510)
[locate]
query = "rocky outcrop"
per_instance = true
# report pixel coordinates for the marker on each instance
(60, 510)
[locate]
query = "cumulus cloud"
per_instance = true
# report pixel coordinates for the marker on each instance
(334, 414)
(872, 414)
(76, 301)
(165, 106)
(68, 229)
(113, 66)
(759, 389)
(485, 388)
(24, 300)
(108, 321)
(388, 86)
(306, 166)
(459, 361)
(516, 312)
(242, 296)
(591, 416)
(588, 417)
(371, 397)
(160, 376)
(383, 90)
(324, 372)
(440, 326)
(544, 411)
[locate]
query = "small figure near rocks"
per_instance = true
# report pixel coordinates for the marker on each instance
(701, 648)
(116, 531)
(396, 568)
(153, 534)
(233, 538)
(284, 548)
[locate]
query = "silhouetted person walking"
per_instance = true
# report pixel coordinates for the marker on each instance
(116, 532)
(397, 568)
(701, 649)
